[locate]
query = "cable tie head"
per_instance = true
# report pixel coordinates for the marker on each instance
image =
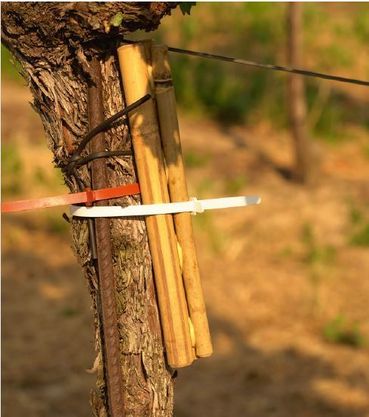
(197, 206)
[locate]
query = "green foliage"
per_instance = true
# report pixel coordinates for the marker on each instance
(55, 224)
(286, 252)
(232, 93)
(214, 89)
(216, 238)
(339, 56)
(340, 331)
(330, 124)
(204, 222)
(40, 177)
(193, 159)
(361, 26)
(337, 114)
(234, 185)
(356, 216)
(316, 254)
(361, 237)
(11, 170)
(226, 92)
(205, 188)
(313, 16)
(10, 68)
(360, 227)
(69, 312)
(186, 6)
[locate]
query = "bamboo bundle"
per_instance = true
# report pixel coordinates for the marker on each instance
(133, 61)
(169, 129)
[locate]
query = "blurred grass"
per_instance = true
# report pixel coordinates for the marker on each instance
(235, 185)
(11, 170)
(361, 26)
(340, 331)
(320, 260)
(193, 159)
(10, 68)
(361, 236)
(356, 215)
(205, 187)
(315, 253)
(69, 312)
(55, 224)
(204, 223)
(359, 227)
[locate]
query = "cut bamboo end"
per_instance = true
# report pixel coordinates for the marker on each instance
(133, 61)
(169, 129)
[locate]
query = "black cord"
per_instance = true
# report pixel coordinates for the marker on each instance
(108, 122)
(270, 66)
(254, 64)
(97, 155)
(75, 159)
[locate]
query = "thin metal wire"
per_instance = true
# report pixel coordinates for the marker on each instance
(270, 66)
(108, 122)
(96, 155)
(75, 159)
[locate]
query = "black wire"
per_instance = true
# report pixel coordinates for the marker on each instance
(107, 123)
(75, 159)
(269, 66)
(98, 155)
(272, 67)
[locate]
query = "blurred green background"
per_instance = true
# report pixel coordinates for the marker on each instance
(336, 39)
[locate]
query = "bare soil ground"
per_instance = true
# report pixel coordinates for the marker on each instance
(273, 276)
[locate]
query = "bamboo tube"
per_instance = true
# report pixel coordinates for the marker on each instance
(166, 105)
(160, 229)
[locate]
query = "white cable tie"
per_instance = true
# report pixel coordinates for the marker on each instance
(198, 208)
(192, 206)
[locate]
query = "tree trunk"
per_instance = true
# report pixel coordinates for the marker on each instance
(304, 170)
(55, 43)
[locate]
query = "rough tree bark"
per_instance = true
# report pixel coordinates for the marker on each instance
(55, 42)
(305, 169)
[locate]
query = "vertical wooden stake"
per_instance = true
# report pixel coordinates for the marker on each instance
(150, 168)
(166, 105)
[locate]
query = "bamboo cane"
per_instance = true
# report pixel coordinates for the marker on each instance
(160, 229)
(166, 105)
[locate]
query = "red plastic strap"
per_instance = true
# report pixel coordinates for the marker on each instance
(88, 197)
